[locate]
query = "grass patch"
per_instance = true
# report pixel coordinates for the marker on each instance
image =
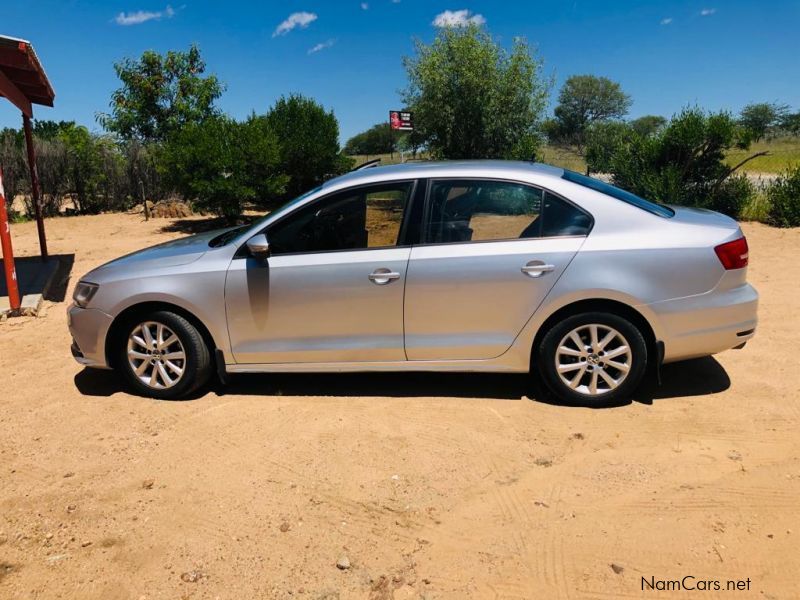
(783, 153)
(756, 208)
(564, 158)
(387, 159)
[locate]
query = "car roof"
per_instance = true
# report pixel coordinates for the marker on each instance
(502, 169)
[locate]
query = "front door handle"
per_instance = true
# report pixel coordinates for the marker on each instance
(383, 276)
(537, 268)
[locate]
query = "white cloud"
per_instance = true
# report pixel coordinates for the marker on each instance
(298, 19)
(457, 18)
(666, 21)
(142, 16)
(364, 6)
(321, 46)
(707, 12)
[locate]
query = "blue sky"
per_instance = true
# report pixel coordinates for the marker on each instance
(347, 53)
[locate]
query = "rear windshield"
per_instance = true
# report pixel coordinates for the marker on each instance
(615, 192)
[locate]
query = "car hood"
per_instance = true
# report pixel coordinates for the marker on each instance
(169, 254)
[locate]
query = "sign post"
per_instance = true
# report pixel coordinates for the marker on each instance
(8, 252)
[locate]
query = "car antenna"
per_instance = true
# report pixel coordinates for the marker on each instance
(368, 164)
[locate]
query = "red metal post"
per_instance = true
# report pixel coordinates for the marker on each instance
(8, 252)
(35, 194)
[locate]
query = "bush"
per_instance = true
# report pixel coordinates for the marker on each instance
(784, 199)
(378, 139)
(603, 141)
(732, 196)
(683, 163)
(220, 164)
(308, 137)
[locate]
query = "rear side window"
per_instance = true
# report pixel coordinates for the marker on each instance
(619, 194)
(471, 210)
(561, 218)
(476, 210)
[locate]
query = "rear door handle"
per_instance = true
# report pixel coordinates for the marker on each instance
(537, 268)
(383, 276)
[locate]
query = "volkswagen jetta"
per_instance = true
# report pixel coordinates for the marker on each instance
(451, 266)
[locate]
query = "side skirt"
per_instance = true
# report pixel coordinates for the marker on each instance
(474, 366)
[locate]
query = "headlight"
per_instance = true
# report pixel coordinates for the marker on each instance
(84, 292)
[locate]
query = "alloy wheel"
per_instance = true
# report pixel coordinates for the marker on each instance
(593, 359)
(156, 355)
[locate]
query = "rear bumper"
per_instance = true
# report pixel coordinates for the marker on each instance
(708, 323)
(88, 327)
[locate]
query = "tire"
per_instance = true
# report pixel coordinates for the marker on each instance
(175, 377)
(584, 377)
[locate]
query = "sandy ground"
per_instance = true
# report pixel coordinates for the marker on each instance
(432, 487)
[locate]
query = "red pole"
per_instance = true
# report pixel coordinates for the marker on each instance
(35, 195)
(8, 252)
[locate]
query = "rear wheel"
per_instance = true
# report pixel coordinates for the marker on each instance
(592, 359)
(162, 355)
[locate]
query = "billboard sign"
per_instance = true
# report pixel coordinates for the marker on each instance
(402, 120)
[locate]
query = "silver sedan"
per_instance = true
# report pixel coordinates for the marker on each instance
(488, 266)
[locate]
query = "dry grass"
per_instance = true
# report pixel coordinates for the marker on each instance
(783, 154)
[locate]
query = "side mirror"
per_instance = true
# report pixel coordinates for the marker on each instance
(258, 246)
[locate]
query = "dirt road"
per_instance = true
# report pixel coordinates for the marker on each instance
(433, 486)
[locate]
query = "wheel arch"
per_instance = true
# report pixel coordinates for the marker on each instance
(117, 328)
(600, 305)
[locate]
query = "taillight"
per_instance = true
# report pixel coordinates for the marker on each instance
(733, 255)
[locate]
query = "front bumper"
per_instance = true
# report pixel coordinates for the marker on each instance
(708, 323)
(89, 327)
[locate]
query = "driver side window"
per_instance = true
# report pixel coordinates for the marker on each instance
(355, 219)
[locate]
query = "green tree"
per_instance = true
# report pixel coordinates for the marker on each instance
(378, 139)
(50, 130)
(83, 167)
(160, 95)
(648, 124)
(790, 123)
(473, 99)
(94, 170)
(583, 101)
(309, 143)
(761, 117)
(220, 165)
(683, 163)
(604, 141)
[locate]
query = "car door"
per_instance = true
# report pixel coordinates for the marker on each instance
(332, 287)
(492, 251)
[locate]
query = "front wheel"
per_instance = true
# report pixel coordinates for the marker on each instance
(592, 359)
(162, 355)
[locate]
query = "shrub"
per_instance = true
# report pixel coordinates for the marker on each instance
(732, 196)
(308, 137)
(683, 163)
(603, 142)
(220, 164)
(784, 199)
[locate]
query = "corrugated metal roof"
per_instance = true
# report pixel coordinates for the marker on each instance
(21, 67)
